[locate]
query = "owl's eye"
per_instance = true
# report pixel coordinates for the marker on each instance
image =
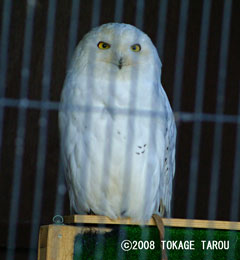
(136, 47)
(103, 45)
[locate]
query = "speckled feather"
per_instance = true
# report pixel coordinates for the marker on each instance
(117, 163)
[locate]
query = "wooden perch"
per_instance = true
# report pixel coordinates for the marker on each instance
(170, 222)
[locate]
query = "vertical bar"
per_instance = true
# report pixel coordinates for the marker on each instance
(20, 132)
(73, 29)
(88, 103)
(140, 14)
(18, 161)
(107, 153)
(131, 118)
(130, 130)
(162, 19)
(234, 213)
(236, 178)
(179, 64)
(162, 23)
(217, 143)
(96, 13)
(222, 74)
(6, 16)
(118, 11)
(42, 143)
(61, 189)
(197, 127)
(191, 205)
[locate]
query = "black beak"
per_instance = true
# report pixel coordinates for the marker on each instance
(120, 63)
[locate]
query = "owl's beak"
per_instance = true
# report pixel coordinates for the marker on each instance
(120, 63)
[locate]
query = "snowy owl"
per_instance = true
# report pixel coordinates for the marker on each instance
(117, 128)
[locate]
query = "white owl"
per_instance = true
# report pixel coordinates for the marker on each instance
(117, 128)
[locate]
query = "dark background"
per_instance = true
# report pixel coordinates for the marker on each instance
(185, 129)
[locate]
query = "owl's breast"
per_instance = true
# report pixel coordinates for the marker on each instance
(113, 143)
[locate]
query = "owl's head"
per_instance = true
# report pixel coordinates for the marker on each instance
(117, 47)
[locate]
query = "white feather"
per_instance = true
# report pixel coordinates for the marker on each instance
(117, 163)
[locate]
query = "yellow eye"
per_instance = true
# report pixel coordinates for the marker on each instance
(136, 47)
(103, 45)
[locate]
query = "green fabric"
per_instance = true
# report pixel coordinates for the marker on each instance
(107, 246)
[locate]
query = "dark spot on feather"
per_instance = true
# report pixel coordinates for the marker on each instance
(140, 147)
(143, 151)
(138, 153)
(118, 132)
(145, 145)
(123, 212)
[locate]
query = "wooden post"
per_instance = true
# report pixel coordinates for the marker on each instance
(56, 242)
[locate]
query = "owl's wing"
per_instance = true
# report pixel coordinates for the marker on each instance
(169, 161)
(66, 150)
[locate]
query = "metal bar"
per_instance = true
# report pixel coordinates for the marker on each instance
(236, 177)
(61, 189)
(191, 204)
(107, 153)
(197, 127)
(42, 143)
(96, 13)
(7, 8)
(139, 21)
(179, 64)
(128, 151)
(234, 211)
(162, 20)
(118, 15)
(222, 74)
(88, 117)
(217, 143)
(21, 130)
(6, 15)
(180, 116)
(72, 39)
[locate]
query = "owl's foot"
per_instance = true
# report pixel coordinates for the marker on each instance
(160, 227)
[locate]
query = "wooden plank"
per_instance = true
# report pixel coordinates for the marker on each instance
(42, 243)
(171, 222)
(95, 219)
(57, 241)
(197, 223)
(58, 244)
